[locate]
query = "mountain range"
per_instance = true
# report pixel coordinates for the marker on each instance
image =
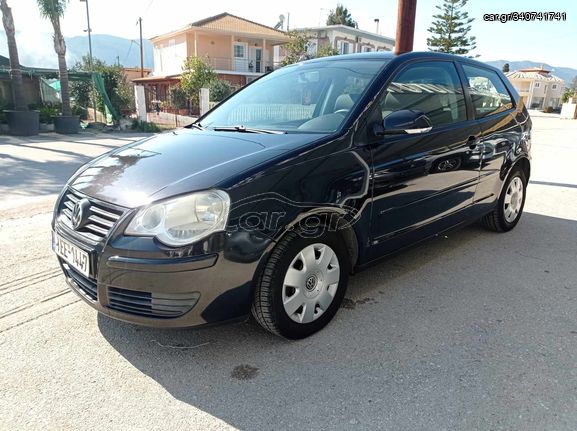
(37, 50)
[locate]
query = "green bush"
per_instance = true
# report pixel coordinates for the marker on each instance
(177, 97)
(219, 90)
(548, 110)
(144, 126)
(48, 112)
(80, 111)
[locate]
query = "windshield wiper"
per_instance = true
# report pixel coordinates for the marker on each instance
(242, 129)
(196, 126)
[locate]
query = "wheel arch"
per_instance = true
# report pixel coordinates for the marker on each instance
(322, 216)
(525, 166)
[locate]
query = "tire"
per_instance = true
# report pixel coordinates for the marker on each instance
(502, 218)
(275, 296)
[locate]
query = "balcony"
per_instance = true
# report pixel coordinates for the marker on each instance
(242, 65)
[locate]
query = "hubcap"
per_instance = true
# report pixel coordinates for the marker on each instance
(310, 283)
(513, 200)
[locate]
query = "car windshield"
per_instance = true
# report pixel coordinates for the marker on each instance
(313, 97)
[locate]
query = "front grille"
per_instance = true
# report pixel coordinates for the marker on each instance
(84, 285)
(100, 219)
(148, 304)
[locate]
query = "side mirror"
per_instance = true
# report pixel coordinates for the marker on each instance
(406, 121)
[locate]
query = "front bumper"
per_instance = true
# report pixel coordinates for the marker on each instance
(138, 280)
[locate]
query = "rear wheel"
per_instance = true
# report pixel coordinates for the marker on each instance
(508, 211)
(302, 285)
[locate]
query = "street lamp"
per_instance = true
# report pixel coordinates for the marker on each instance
(91, 64)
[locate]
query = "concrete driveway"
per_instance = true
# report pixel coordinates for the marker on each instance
(471, 331)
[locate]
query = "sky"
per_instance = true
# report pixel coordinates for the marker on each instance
(553, 42)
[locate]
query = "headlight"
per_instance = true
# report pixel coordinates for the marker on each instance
(182, 220)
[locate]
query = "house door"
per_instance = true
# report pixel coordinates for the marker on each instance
(255, 63)
(240, 56)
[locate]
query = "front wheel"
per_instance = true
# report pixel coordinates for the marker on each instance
(302, 285)
(511, 202)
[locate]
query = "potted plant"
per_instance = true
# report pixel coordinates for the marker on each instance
(53, 10)
(21, 121)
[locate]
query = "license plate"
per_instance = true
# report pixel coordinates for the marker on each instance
(74, 256)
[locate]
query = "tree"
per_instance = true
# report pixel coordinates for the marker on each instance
(506, 68)
(567, 95)
(327, 51)
(341, 15)
(219, 90)
(574, 84)
(297, 48)
(451, 28)
(15, 72)
(117, 88)
(53, 10)
(196, 74)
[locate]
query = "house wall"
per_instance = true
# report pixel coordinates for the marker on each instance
(169, 54)
(538, 93)
(214, 46)
(335, 35)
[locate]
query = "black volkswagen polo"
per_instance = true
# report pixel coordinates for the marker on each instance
(270, 201)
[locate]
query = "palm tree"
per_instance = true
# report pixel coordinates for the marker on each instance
(54, 10)
(15, 72)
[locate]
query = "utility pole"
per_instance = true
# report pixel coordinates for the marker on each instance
(141, 50)
(405, 26)
(90, 58)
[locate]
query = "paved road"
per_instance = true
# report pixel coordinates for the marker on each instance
(472, 331)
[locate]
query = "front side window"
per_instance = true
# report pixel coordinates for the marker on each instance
(312, 97)
(431, 87)
(488, 93)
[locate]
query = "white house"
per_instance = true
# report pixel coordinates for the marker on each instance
(347, 40)
(537, 87)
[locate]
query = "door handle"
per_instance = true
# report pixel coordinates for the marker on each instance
(472, 142)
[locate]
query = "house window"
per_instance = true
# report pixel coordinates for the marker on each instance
(312, 48)
(239, 51)
(367, 49)
(554, 87)
(537, 85)
(344, 47)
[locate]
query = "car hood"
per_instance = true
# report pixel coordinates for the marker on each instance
(178, 162)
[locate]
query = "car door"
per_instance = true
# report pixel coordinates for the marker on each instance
(501, 130)
(419, 179)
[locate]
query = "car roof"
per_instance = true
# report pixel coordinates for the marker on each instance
(388, 55)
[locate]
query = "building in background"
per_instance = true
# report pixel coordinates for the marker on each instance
(133, 73)
(238, 49)
(347, 40)
(537, 87)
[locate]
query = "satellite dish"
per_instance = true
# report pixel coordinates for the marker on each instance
(280, 23)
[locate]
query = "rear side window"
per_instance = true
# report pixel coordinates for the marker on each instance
(488, 93)
(431, 87)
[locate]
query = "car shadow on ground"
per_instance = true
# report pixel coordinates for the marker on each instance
(444, 334)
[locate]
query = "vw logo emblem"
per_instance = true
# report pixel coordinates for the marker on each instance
(311, 282)
(80, 212)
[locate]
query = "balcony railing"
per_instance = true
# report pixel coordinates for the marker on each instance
(243, 65)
